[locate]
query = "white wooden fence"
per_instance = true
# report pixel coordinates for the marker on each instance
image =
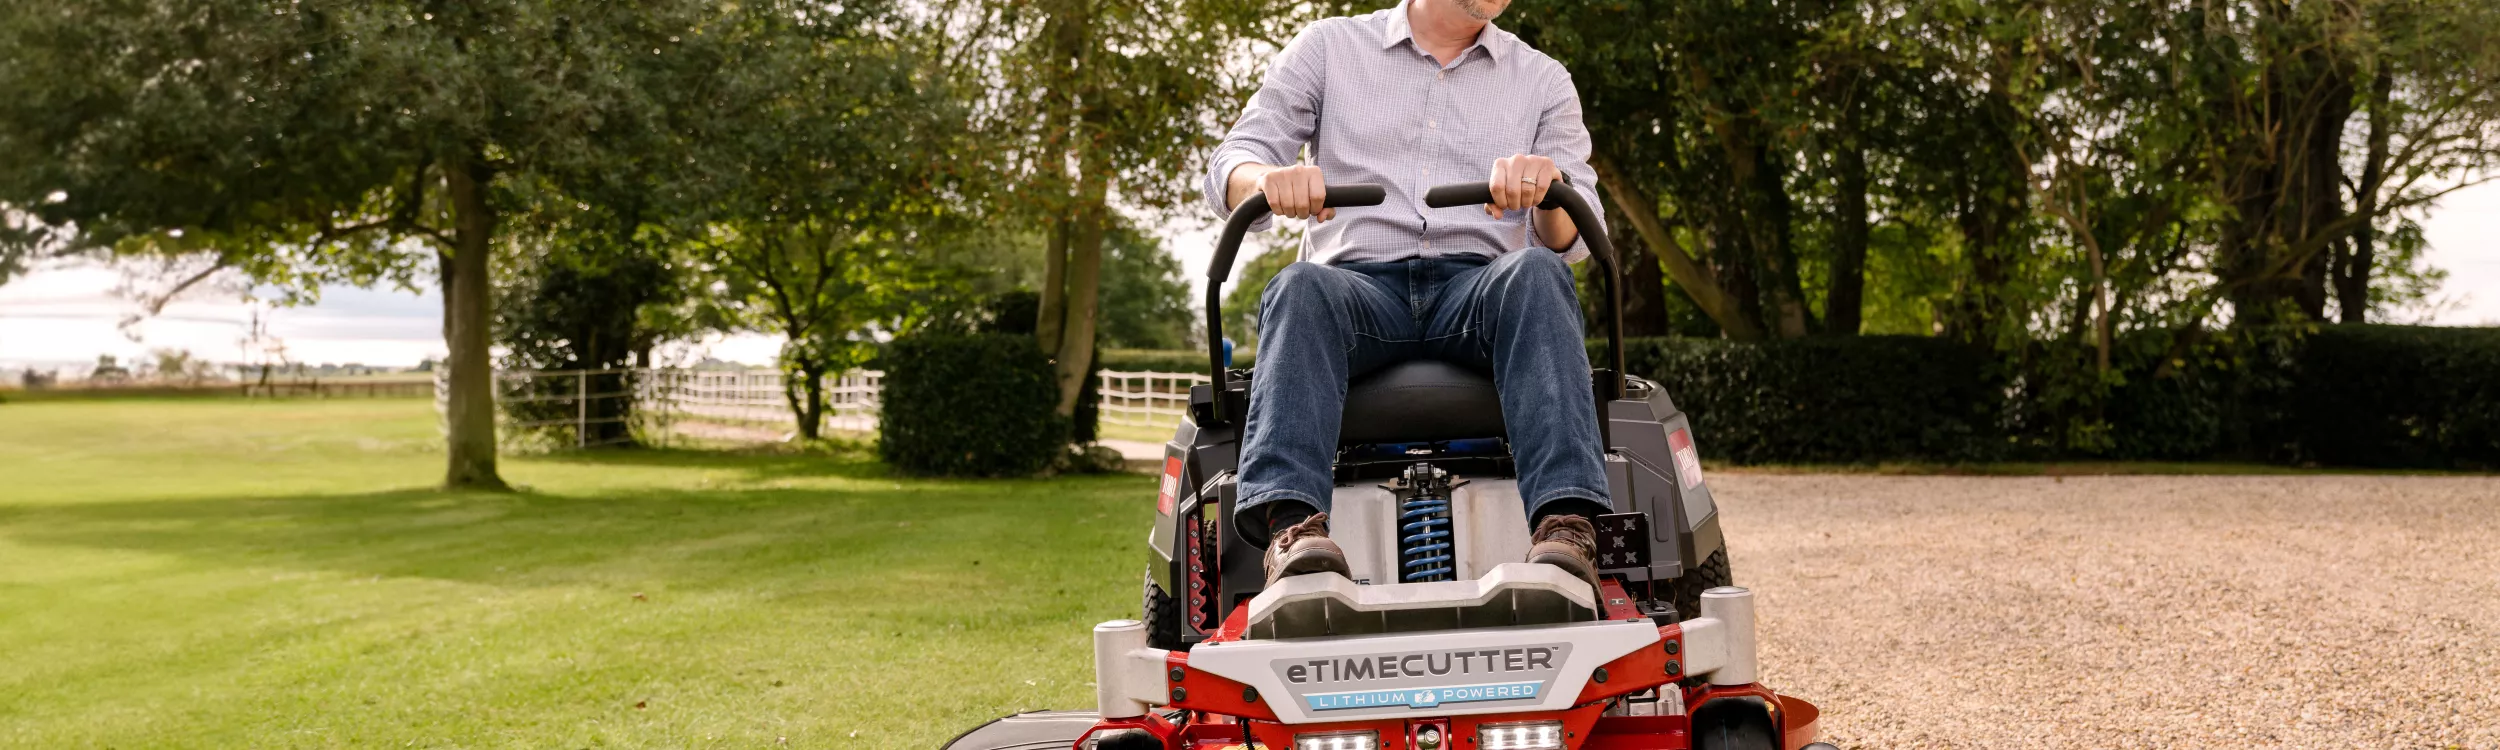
(670, 402)
(1147, 399)
(756, 396)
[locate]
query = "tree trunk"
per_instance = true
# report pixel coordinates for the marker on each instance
(1092, 214)
(1697, 280)
(1844, 302)
(468, 316)
(812, 411)
(2321, 183)
(1076, 343)
(1050, 319)
(1770, 227)
(1644, 292)
(2352, 279)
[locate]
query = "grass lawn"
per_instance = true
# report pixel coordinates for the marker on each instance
(228, 573)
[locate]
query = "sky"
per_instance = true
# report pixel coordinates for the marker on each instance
(63, 317)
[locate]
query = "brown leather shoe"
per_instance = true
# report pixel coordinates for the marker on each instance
(1567, 542)
(1304, 548)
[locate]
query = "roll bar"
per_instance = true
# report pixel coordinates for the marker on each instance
(1254, 208)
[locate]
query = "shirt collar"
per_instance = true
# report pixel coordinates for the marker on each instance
(1493, 40)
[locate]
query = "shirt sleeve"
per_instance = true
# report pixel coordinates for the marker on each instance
(1564, 138)
(1280, 118)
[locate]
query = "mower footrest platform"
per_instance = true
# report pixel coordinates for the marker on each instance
(1327, 604)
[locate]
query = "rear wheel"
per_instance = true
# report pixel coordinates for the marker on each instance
(1163, 619)
(1734, 724)
(1712, 574)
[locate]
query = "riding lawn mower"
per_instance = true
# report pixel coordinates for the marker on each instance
(1441, 639)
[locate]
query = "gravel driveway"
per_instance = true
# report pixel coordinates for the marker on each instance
(2095, 612)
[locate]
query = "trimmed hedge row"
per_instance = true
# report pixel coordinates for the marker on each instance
(980, 404)
(2399, 396)
(2366, 396)
(1869, 398)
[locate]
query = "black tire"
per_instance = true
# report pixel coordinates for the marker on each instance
(1734, 724)
(1163, 619)
(1712, 574)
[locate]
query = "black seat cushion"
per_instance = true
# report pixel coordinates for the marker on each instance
(1420, 401)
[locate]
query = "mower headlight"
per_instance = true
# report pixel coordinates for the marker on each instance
(1523, 735)
(1337, 741)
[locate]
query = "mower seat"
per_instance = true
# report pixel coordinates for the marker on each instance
(1419, 402)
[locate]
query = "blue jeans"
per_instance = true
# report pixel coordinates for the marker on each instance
(1516, 316)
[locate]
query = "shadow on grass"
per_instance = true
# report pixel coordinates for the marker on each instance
(762, 462)
(698, 538)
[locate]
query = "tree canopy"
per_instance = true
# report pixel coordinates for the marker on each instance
(2090, 179)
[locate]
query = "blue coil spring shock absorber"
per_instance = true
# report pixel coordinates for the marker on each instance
(1425, 552)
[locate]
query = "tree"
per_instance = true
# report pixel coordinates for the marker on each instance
(1717, 126)
(1145, 302)
(1091, 101)
(2280, 83)
(820, 283)
(319, 144)
(821, 203)
(571, 302)
(170, 365)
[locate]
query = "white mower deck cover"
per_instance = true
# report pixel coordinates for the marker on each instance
(1324, 649)
(1511, 594)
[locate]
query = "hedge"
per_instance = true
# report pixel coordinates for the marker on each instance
(2344, 395)
(2347, 395)
(982, 404)
(2398, 396)
(1835, 399)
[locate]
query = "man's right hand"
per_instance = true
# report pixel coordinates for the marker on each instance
(1294, 192)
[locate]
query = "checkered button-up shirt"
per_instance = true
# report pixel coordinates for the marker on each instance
(1374, 107)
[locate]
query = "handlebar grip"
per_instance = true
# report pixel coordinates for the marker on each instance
(1477, 194)
(1355, 195)
(1459, 194)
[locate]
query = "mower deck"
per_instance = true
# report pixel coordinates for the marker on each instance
(1615, 681)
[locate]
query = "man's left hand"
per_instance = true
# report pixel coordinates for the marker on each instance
(1520, 182)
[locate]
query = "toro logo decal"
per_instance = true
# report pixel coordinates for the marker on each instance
(1171, 485)
(1423, 679)
(1687, 460)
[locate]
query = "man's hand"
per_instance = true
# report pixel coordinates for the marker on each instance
(1294, 192)
(1520, 182)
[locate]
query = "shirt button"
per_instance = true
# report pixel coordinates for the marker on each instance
(1435, 124)
(1442, 75)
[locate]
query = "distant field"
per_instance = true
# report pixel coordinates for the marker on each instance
(384, 385)
(230, 573)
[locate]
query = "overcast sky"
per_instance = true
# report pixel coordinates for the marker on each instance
(63, 317)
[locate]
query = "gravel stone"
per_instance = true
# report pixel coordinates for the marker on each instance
(2127, 611)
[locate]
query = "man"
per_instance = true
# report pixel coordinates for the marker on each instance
(1426, 93)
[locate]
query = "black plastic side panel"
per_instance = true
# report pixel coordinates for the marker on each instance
(1648, 492)
(1641, 429)
(1167, 525)
(1038, 730)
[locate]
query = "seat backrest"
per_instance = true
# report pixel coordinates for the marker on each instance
(1420, 401)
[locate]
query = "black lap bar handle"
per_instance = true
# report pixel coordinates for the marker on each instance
(1250, 211)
